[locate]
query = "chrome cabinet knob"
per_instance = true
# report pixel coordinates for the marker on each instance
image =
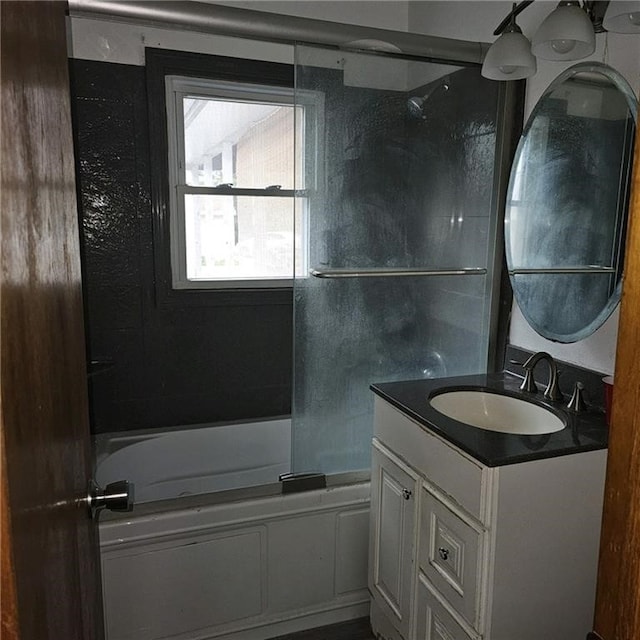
(443, 553)
(116, 496)
(406, 494)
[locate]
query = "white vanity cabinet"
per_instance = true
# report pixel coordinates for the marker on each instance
(460, 550)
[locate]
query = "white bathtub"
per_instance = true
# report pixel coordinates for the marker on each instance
(230, 565)
(196, 460)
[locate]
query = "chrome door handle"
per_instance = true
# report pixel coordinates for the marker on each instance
(116, 496)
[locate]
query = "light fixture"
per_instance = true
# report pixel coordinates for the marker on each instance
(622, 16)
(509, 57)
(565, 34)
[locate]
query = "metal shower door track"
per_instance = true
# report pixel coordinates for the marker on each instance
(272, 27)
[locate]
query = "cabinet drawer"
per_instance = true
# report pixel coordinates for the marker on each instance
(449, 555)
(460, 477)
(434, 622)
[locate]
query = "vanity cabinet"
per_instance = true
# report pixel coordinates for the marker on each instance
(460, 550)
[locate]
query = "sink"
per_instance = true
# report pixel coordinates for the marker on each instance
(496, 412)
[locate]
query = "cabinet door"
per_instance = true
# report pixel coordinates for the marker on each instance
(434, 622)
(392, 537)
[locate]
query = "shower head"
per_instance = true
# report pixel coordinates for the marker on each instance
(415, 104)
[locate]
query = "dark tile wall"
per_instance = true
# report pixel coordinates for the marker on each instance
(153, 365)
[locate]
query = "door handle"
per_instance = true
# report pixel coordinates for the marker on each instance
(116, 496)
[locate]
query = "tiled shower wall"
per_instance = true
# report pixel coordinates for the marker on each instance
(156, 365)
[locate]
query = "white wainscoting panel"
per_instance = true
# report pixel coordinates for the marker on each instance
(351, 556)
(247, 571)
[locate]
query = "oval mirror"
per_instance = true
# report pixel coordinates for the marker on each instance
(567, 202)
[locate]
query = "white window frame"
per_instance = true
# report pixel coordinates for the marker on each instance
(178, 87)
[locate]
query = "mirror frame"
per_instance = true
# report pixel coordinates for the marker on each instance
(625, 89)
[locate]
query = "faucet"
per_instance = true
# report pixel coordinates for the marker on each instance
(552, 392)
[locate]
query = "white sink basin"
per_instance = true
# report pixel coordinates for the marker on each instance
(495, 412)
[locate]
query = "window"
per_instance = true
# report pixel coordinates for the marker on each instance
(236, 218)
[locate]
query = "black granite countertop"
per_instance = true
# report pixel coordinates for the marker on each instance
(584, 431)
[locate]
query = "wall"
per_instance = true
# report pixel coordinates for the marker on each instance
(476, 21)
(384, 14)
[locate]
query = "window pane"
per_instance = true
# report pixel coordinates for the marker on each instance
(242, 237)
(248, 144)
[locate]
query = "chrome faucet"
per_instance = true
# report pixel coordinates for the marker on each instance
(552, 392)
(577, 402)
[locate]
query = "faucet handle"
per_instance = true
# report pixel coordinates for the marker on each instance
(577, 402)
(552, 392)
(528, 384)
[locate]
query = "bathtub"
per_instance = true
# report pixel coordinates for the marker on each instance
(195, 460)
(208, 555)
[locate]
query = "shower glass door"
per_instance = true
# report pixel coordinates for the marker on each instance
(395, 264)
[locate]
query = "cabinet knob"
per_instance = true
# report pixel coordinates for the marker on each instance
(443, 553)
(407, 493)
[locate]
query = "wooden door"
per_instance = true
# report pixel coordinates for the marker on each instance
(50, 573)
(618, 596)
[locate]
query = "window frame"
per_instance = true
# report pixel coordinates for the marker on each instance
(160, 63)
(176, 89)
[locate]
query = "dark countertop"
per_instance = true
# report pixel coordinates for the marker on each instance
(584, 431)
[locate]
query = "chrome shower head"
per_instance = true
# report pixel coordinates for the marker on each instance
(415, 104)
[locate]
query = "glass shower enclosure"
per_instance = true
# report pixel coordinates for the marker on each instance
(396, 198)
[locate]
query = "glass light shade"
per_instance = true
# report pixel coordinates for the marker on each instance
(565, 34)
(622, 16)
(509, 58)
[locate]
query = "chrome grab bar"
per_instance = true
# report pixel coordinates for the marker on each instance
(394, 272)
(585, 269)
